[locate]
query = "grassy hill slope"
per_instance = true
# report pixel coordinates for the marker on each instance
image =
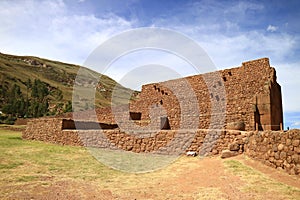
(58, 76)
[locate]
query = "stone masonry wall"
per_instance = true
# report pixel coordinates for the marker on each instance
(50, 130)
(252, 96)
(278, 149)
(243, 85)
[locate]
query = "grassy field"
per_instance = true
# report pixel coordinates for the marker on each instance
(36, 170)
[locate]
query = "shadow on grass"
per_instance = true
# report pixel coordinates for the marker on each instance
(14, 138)
(131, 162)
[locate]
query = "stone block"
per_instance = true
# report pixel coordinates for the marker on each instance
(296, 143)
(277, 155)
(296, 158)
(236, 126)
(228, 154)
(280, 147)
(282, 155)
(234, 146)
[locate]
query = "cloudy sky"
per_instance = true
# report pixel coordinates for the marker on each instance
(230, 32)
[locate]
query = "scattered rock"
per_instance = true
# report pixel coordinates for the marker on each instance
(228, 154)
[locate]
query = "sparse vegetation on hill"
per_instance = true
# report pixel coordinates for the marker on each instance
(34, 87)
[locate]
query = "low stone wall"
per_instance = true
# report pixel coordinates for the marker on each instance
(164, 141)
(213, 142)
(277, 149)
(50, 130)
(21, 121)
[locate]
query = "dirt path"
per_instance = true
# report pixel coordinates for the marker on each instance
(210, 177)
(188, 178)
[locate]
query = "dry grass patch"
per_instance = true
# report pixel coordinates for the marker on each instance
(260, 185)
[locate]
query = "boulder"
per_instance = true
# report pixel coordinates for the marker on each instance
(228, 154)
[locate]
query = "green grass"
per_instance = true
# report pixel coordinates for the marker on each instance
(41, 164)
(10, 165)
(27, 178)
(18, 156)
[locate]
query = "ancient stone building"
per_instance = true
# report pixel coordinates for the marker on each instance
(189, 114)
(246, 97)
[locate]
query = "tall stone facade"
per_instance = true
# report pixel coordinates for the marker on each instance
(250, 95)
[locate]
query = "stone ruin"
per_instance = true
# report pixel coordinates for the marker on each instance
(238, 110)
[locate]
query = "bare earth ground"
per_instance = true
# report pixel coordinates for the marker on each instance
(187, 178)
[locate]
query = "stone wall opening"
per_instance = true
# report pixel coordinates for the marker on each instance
(164, 123)
(135, 115)
(68, 124)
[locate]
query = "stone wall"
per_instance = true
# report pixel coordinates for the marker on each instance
(247, 94)
(248, 97)
(50, 130)
(165, 141)
(21, 121)
(278, 149)
(252, 96)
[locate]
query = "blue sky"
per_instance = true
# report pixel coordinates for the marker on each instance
(230, 32)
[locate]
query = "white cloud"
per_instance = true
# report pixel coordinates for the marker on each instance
(296, 124)
(242, 7)
(227, 52)
(272, 28)
(230, 50)
(49, 29)
(148, 66)
(288, 78)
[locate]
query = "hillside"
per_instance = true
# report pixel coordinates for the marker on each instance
(58, 77)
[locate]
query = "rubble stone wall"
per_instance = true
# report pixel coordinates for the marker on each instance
(278, 149)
